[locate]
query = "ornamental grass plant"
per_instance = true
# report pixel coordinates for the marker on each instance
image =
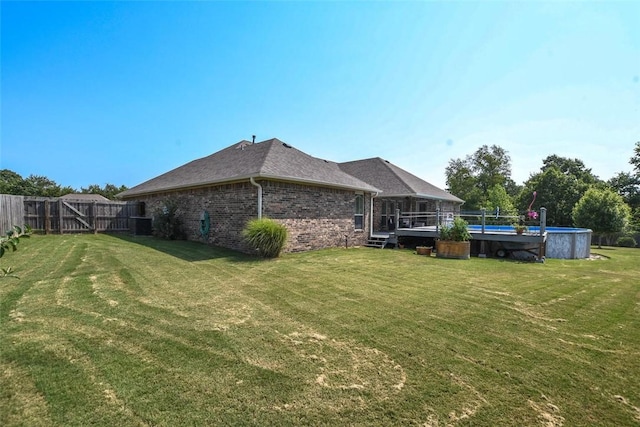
(266, 235)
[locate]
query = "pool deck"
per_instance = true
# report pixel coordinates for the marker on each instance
(477, 234)
(488, 243)
(498, 237)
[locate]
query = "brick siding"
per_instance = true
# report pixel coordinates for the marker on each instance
(315, 217)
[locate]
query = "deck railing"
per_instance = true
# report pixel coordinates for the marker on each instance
(534, 225)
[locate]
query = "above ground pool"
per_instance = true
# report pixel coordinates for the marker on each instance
(562, 242)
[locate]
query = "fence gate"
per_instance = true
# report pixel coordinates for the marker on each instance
(76, 218)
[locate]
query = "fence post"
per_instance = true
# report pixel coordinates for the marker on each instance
(47, 217)
(95, 217)
(542, 252)
(60, 216)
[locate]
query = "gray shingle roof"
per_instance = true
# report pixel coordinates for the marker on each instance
(85, 197)
(394, 181)
(271, 159)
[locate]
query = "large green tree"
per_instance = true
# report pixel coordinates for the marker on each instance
(603, 211)
(41, 186)
(109, 190)
(497, 198)
(559, 185)
(462, 182)
(491, 166)
(473, 177)
(635, 159)
(570, 167)
(37, 185)
(628, 186)
(11, 182)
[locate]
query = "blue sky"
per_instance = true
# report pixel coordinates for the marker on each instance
(120, 92)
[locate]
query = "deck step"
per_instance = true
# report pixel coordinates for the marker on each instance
(377, 242)
(375, 245)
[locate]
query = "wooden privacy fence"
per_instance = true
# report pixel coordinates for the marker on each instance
(54, 215)
(11, 212)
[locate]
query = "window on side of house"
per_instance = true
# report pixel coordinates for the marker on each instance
(359, 215)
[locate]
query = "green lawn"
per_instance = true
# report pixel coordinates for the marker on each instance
(119, 331)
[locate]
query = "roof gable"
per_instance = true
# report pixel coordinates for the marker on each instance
(395, 181)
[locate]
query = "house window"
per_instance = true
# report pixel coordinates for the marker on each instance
(359, 215)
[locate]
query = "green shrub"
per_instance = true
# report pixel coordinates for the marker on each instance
(458, 231)
(266, 235)
(626, 241)
(9, 242)
(167, 221)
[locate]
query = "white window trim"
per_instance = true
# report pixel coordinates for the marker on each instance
(361, 194)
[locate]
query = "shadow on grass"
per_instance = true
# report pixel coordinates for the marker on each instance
(187, 250)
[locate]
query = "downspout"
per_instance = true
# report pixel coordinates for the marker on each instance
(253, 182)
(373, 196)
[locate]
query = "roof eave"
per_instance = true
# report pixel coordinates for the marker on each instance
(316, 182)
(184, 187)
(452, 198)
(244, 178)
(423, 196)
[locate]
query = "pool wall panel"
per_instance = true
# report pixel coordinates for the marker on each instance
(569, 245)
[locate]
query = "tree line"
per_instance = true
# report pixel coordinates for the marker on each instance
(483, 180)
(41, 186)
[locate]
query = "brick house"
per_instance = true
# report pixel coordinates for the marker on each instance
(320, 202)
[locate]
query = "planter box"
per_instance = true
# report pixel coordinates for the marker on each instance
(423, 250)
(454, 250)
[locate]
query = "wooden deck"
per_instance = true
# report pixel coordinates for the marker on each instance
(500, 243)
(492, 234)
